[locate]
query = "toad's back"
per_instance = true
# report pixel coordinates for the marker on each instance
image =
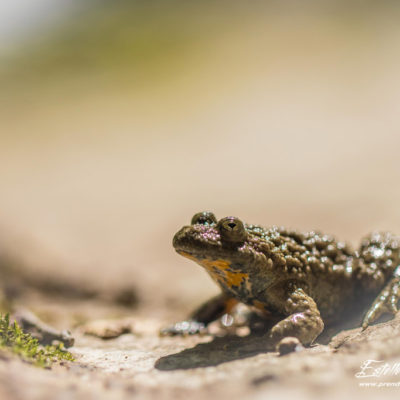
(334, 274)
(323, 265)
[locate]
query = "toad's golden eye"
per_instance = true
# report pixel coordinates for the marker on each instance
(204, 218)
(232, 229)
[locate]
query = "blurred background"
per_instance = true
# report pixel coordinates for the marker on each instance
(120, 120)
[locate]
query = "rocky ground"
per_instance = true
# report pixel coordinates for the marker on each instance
(124, 357)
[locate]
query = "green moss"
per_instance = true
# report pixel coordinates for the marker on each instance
(13, 338)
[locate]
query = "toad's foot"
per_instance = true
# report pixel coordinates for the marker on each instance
(200, 318)
(184, 328)
(386, 302)
(304, 321)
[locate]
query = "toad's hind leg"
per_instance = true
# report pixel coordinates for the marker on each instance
(209, 311)
(379, 267)
(387, 300)
(304, 321)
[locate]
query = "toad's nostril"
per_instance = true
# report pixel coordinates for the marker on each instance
(231, 225)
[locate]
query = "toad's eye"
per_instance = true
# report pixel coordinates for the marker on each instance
(204, 218)
(232, 229)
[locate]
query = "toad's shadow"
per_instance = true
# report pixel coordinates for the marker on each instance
(230, 348)
(218, 351)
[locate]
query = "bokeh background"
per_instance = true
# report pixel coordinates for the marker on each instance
(119, 120)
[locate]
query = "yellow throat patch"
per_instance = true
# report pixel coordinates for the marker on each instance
(220, 271)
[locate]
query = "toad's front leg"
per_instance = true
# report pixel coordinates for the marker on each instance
(304, 320)
(210, 311)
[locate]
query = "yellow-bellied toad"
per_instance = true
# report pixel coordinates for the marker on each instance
(300, 279)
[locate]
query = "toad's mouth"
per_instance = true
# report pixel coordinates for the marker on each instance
(196, 239)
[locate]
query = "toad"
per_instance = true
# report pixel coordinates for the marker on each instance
(299, 281)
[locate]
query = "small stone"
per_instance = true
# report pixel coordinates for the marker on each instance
(289, 345)
(108, 329)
